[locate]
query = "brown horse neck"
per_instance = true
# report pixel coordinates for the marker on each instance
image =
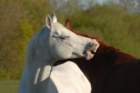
(115, 56)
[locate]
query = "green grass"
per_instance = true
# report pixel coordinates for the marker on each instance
(9, 86)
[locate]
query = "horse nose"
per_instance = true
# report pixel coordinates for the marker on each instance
(91, 49)
(93, 45)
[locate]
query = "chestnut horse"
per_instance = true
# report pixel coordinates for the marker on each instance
(110, 70)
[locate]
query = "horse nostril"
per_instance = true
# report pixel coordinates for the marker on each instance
(89, 45)
(92, 51)
(84, 52)
(93, 46)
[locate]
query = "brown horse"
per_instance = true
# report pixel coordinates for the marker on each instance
(110, 70)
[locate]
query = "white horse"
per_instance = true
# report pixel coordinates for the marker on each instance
(53, 43)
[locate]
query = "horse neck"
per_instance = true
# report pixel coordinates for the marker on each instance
(38, 51)
(110, 55)
(37, 61)
(38, 57)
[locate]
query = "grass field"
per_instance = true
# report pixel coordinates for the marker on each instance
(9, 86)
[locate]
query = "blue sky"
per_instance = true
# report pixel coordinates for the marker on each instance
(100, 1)
(83, 4)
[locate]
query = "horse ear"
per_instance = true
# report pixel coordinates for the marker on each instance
(54, 18)
(48, 21)
(68, 24)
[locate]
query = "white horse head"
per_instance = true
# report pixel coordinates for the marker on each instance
(64, 44)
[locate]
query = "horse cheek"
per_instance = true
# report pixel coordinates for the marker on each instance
(63, 52)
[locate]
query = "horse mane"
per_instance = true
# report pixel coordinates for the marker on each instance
(68, 24)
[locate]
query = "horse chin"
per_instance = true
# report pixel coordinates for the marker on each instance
(89, 55)
(72, 55)
(64, 56)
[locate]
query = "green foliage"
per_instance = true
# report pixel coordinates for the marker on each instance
(114, 25)
(26, 30)
(20, 19)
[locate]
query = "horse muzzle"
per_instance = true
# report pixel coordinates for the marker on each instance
(91, 49)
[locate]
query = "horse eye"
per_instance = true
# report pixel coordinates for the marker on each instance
(64, 37)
